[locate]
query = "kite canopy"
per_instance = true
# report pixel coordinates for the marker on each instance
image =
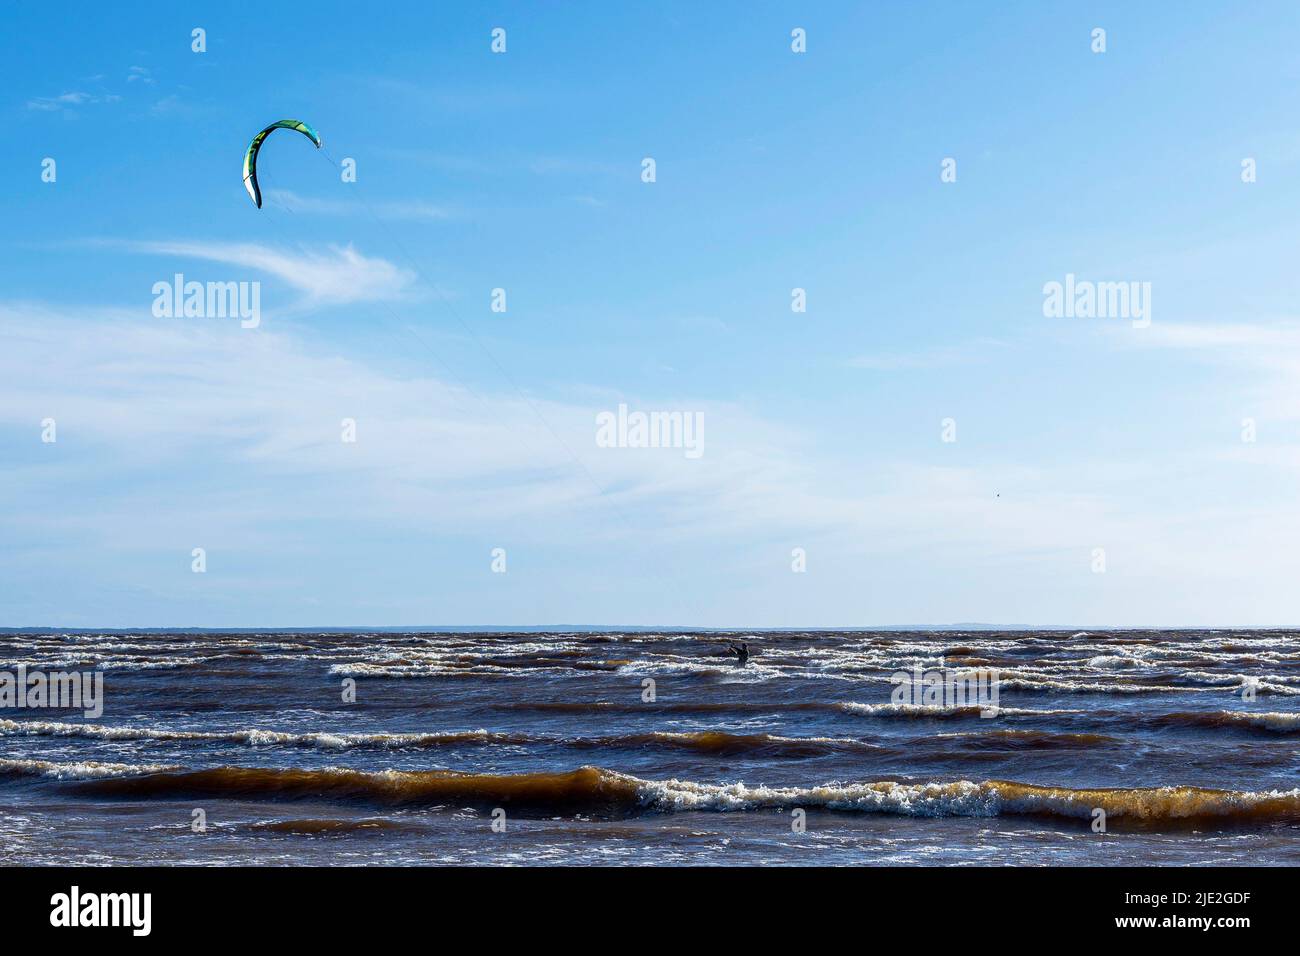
(250, 158)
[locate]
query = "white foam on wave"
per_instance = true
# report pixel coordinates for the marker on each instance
(1270, 683)
(941, 710)
(725, 669)
(253, 738)
(1267, 720)
(965, 798)
(1092, 687)
(79, 770)
(361, 669)
(1114, 662)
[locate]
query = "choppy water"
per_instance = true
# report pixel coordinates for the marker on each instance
(1152, 727)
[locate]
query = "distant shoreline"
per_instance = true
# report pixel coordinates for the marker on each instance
(635, 628)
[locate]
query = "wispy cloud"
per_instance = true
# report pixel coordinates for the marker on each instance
(71, 100)
(891, 361)
(167, 106)
(1267, 354)
(410, 209)
(430, 452)
(1263, 339)
(901, 361)
(433, 451)
(336, 275)
(499, 164)
(168, 417)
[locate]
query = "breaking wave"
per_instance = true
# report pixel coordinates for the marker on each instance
(596, 790)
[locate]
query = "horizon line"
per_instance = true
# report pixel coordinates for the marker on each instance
(675, 628)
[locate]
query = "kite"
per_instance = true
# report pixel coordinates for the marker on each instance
(250, 158)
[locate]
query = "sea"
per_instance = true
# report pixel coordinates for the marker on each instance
(640, 748)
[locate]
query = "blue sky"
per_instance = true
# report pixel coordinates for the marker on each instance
(774, 170)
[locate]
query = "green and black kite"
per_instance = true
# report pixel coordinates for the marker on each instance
(250, 158)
